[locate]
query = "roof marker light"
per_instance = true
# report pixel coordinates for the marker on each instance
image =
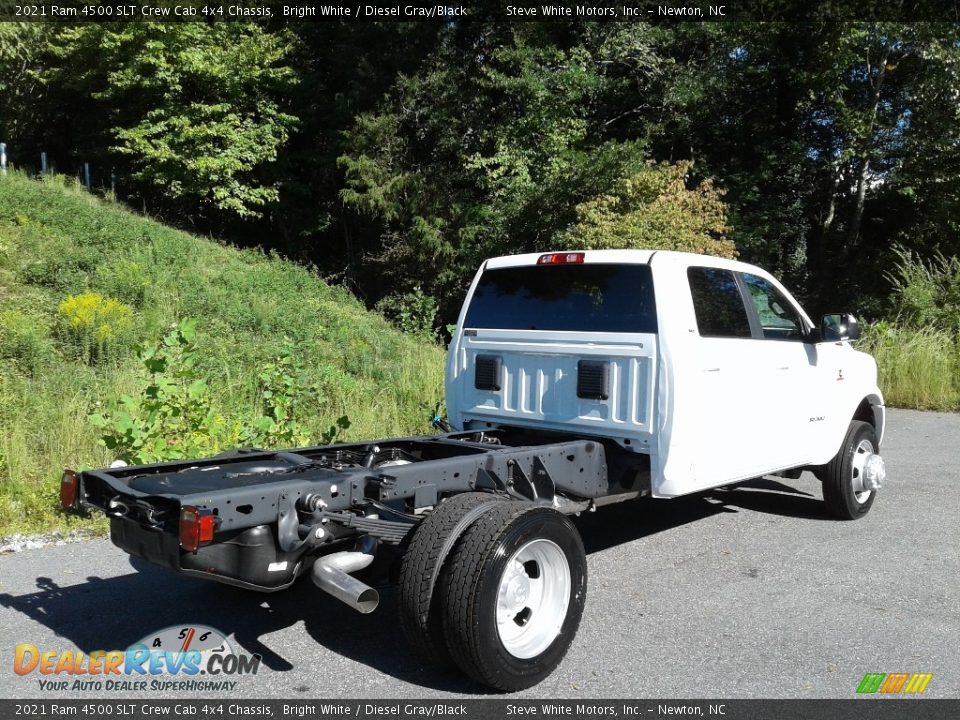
(560, 258)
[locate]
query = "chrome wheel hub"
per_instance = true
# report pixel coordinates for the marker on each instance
(532, 598)
(868, 472)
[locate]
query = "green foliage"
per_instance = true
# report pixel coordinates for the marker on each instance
(654, 208)
(24, 341)
(202, 118)
(354, 363)
(918, 367)
(282, 384)
(414, 312)
(21, 45)
(172, 418)
(65, 267)
(96, 327)
(127, 280)
(514, 138)
(926, 293)
(402, 154)
(285, 387)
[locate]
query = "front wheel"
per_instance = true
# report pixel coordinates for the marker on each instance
(851, 479)
(514, 594)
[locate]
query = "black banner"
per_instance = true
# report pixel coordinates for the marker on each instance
(656, 11)
(487, 709)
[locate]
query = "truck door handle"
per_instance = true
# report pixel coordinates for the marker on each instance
(711, 369)
(783, 367)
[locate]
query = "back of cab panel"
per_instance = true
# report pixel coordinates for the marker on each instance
(563, 341)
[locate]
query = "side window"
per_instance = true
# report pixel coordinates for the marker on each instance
(717, 303)
(778, 318)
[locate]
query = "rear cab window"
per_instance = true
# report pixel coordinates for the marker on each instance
(717, 303)
(590, 297)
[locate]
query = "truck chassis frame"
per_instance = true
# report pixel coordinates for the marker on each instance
(294, 506)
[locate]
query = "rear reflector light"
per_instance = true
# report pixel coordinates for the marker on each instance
(560, 258)
(69, 489)
(196, 527)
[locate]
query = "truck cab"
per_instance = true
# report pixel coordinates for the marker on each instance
(709, 366)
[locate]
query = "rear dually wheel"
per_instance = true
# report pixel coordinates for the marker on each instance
(513, 595)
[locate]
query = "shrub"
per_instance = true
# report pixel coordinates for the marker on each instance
(414, 312)
(284, 389)
(23, 341)
(125, 279)
(173, 417)
(97, 327)
(926, 294)
(653, 207)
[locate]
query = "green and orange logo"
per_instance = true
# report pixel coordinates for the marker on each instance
(894, 683)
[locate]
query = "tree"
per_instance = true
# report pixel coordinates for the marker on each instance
(195, 108)
(821, 136)
(654, 208)
(489, 148)
(923, 196)
(20, 45)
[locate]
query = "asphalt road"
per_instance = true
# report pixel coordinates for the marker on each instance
(750, 592)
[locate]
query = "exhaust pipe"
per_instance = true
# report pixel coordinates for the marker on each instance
(330, 575)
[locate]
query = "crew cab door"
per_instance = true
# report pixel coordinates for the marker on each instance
(735, 429)
(759, 382)
(788, 368)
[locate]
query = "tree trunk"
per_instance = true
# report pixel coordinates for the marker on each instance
(856, 216)
(818, 239)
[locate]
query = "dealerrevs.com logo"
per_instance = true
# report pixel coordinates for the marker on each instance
(894, 683)
(178, 658)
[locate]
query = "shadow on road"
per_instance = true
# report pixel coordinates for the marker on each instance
(772, 497)
(113, 613)
(632, 520)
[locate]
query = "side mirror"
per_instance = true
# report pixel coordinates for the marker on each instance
(835, 327)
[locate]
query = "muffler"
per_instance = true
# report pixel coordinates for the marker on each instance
(330, 575)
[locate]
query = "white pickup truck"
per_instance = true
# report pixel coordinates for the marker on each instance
(574, 380)
(706, 365)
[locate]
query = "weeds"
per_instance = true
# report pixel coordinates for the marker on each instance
(97, 327)
(918, 368)
(24, 341)
(926, 294)
(263, 322)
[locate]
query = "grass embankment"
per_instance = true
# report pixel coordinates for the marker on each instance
(58, 241)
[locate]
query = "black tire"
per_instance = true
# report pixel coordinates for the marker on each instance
(470, 595)
(838, 475)
(420, 615)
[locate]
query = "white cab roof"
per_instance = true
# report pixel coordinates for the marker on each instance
(625, 257)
